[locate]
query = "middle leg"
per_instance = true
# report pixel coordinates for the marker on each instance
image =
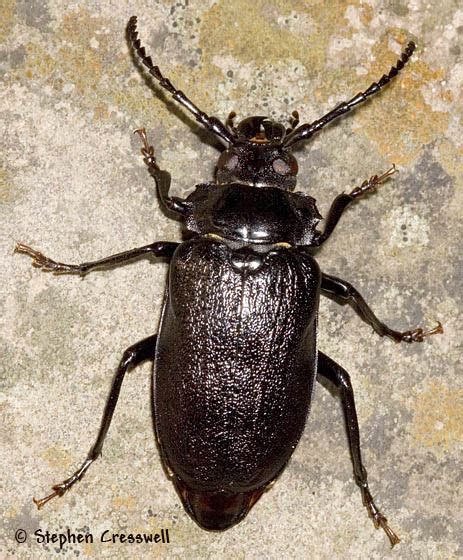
(346, 293)
(158, 249)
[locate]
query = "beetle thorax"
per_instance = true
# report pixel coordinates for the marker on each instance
(265, 215)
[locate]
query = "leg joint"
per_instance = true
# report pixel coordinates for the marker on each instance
(344, 380)
(128, 357)
(350, 292)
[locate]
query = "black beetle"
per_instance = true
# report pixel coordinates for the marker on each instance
(236, 356)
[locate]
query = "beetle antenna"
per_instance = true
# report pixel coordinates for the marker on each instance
(305, 131)
(211, 123)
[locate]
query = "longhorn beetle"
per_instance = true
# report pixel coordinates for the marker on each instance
(236, 356)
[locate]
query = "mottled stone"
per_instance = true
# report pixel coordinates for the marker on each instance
(72, 183)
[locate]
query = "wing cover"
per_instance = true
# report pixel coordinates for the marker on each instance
(235, 365)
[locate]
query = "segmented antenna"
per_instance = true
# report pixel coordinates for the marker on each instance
(211, 123)
(305, 131)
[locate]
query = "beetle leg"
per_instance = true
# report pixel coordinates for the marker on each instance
(370, 184)
(334, 373)
(342, 201)
(161, 178)
(158, 249)
(343, 292)
(133, 356)
(339, 204)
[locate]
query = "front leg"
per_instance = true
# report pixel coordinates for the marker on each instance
(346, 293)
(342, 201)
(162, 178)
(158, 249)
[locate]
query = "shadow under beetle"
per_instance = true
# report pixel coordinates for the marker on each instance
(236, 356)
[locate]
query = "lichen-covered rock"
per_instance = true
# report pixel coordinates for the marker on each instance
(72, 184)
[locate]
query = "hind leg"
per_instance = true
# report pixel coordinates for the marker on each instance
(334, 373)
(133, 356)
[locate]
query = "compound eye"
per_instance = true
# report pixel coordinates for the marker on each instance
(280, 166)
(283, 167)
(227, 160)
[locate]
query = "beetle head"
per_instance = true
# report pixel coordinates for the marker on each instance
(257, 157)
